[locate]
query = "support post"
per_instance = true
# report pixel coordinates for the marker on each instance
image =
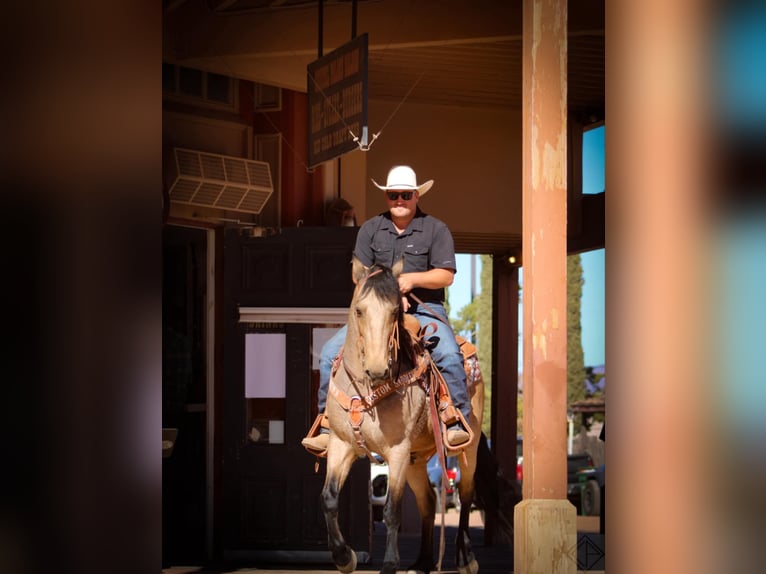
(320, 37)
(545, 523)
(353, 18)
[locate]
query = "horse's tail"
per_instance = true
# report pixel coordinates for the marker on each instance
(496, 495)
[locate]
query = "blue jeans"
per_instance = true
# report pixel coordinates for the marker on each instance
(441, 344)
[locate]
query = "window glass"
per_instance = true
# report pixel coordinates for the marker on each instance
(190, 82)
(593, 165)
(218, 88)
(265, 388)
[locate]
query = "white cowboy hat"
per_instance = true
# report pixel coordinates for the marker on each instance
(403, 177)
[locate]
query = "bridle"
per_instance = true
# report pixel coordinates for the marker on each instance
(393, 338)
(359, 403)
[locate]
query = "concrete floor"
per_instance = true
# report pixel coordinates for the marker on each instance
(492, 560)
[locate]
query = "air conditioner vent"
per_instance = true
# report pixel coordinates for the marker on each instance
(226, 182)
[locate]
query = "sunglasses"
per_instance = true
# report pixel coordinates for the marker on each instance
(394, 195)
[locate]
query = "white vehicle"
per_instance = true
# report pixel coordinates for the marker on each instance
(378, 486)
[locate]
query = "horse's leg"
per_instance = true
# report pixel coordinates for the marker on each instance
(392, 511)
(339, 460)
(465, 560)
(417, 478)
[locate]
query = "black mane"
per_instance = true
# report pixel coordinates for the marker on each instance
(382, 283)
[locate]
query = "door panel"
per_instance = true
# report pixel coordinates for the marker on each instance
(270, 487)
(184, 394)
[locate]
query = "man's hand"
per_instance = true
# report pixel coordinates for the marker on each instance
(406, 283)
(405, 303)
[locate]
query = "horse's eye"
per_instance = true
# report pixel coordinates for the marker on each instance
(358, 312)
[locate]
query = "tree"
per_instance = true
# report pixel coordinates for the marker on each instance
(575, 356)
(474, 322)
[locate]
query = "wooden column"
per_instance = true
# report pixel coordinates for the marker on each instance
(505, 369)
(506, 364)
(664, 305)
(545, 534)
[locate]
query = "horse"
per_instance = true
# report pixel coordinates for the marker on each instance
(380, 401)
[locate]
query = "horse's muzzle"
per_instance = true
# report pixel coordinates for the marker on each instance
(378, 377)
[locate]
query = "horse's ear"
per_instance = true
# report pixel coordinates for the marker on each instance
(358, 270)
(398, 267)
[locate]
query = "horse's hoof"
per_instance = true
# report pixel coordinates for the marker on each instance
(351, 566)
(420, 567)
(471, 568)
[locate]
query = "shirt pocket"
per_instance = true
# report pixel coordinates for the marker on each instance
(383, 254)
(416, 257)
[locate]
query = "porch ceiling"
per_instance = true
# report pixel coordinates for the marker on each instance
(454, 53)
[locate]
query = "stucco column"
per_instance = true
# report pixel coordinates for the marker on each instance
(545, 524)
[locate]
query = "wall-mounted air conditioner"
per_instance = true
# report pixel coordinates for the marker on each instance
(226, 182)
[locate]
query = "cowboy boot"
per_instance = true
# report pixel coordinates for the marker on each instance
(318, 437)
(317, 444)
(457, 435)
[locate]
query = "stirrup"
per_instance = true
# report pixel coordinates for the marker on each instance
(456, 449)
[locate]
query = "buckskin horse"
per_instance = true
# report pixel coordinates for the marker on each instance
(384, 399)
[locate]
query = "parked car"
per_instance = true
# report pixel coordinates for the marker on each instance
(452, 498)
(591, 481)
(379, 483)
(378, 486)
(575, 464)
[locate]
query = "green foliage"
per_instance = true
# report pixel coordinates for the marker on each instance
(484, 340)
(575, 356)
(474, 322)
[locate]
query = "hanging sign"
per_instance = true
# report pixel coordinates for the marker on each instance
(337, 102)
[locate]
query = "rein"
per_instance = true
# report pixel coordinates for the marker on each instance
(438, 442)
(356, 405)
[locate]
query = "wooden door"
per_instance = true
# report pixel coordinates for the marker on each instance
(270, 487)
(184, 395)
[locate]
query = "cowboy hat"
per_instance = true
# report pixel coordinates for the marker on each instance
(403, 177)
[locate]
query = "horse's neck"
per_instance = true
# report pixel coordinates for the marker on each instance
(352, 360)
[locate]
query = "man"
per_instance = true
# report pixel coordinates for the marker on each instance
(429, 266)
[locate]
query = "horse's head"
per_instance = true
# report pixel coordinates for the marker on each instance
(375, 313)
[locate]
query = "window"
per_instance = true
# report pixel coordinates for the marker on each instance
(190, 82)
(218, 88)
(192, 85)
(593, 170)
(266, 364)
(265, 388)
(268, 98)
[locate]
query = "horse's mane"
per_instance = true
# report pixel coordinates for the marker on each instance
(381, 281)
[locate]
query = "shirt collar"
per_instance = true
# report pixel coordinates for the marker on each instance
(415, 225)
